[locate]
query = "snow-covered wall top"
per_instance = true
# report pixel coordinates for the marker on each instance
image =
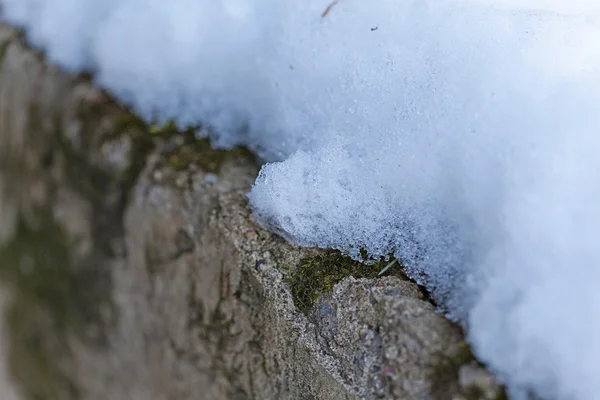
(461, 135)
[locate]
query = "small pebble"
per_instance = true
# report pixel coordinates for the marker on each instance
(211, 178)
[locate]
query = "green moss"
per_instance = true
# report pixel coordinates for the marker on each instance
(445, 376)
(502, 395)
(36, 260)
(201, 154)
(184, 149)
(57, 295)
(36, 263)
(318, 274)
(3, 49)
(34, 351)
(179, 148)
(170, 126)
(364, 255)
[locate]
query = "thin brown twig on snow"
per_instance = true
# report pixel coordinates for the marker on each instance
(329, 7)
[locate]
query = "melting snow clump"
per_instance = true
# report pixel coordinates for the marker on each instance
(463, 136)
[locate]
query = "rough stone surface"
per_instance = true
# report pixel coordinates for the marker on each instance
(138, 273)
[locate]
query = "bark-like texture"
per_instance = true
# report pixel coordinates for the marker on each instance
(137, 271)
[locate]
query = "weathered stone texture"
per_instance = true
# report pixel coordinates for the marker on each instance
(139, 274)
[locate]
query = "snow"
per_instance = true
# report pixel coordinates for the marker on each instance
(460, 135)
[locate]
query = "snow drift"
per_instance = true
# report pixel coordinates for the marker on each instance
(461, 135)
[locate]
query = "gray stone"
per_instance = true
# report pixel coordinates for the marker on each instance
(156, 282)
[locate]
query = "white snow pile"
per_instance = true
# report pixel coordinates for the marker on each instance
(464, 136)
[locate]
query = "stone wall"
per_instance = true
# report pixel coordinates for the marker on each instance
(136, 271)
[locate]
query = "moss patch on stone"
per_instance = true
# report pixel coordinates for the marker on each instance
(44, 310)
(178, 148)
(446, 371)
(445, 376)
(317, 275)
(182, 149)
(57, 294)
(201, 154)
(3, 49)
